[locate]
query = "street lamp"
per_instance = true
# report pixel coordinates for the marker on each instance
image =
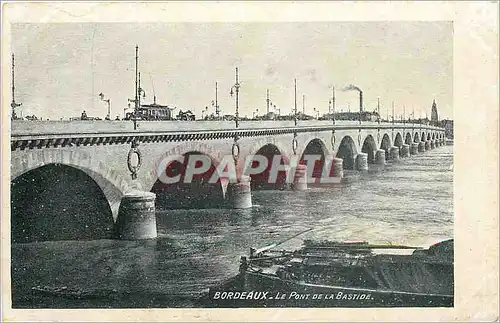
(14, 105)
(216, 104)
(295, 102)
(108, 116)
(393, 112)
(136, 99)
(236, 88)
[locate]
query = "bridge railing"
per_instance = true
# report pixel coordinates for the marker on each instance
(49, 137)
(79, 128)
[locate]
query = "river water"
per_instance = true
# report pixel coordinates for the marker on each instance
(409, 202)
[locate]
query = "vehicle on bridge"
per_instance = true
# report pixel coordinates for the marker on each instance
(151, 112)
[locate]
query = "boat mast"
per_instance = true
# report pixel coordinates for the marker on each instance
(14, 105)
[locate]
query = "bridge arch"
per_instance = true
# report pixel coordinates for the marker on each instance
(422, 138)
(428, 136)
(62, 195)
(398, 140)
(315, 147)
(416, 138)
(369, 147)
(112, 184)
(347, 151)
(263, 180)
(408, 138)
(385, 144)
(195, 189)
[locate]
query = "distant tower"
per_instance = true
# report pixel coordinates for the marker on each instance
(434, 112)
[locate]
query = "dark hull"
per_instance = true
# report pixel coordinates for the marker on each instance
(271, 291)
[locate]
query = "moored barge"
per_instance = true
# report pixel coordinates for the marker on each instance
(342, 274)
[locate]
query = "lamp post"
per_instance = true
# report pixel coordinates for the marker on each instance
(303, 104)
(295, 103)
(393, 112)
(236, 88)
(14, 105)
(108, 101)
(136, 97)
(378, 110)
(217, 110)
(333, 104)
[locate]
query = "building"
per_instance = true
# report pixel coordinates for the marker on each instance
(448, 128)
(434, 113)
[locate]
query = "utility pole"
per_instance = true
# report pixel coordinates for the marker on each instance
(303, 104)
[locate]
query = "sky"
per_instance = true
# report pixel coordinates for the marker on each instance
(62, 67)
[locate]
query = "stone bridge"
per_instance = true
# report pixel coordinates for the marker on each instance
(95, 156)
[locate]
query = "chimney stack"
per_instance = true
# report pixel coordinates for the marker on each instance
(360, 101)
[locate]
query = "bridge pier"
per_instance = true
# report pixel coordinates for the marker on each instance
(380, 157)
(405, 150)
(421, 147)
(394, 153)
(362, 162)
(240, 194)
(338, 167)
(300, 178)
(136, 216)
(427, 145)
(413, 148)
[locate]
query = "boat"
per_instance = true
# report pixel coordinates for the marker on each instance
(342, 274)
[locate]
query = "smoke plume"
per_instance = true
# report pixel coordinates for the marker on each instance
(351, 87)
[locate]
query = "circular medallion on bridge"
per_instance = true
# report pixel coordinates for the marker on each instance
(236, 150)
(134, 168)
(359, 139)
(295, 144)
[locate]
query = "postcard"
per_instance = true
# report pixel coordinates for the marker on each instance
(249, 161)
